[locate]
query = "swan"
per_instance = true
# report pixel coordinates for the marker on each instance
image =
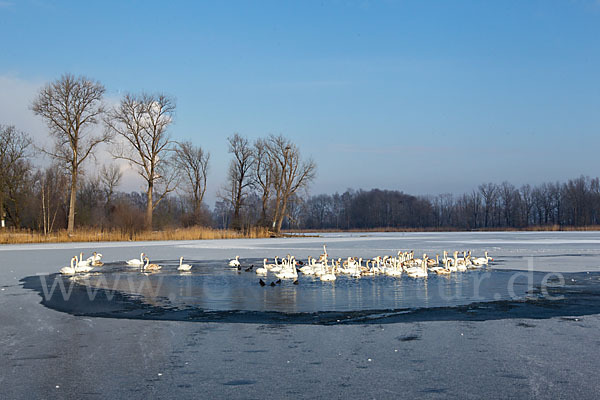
(82, 266)
(394, 270)
(356, 271)
(460, 263)
(70, 270)
(324, 255)
(235, 262)
(263, 270)
(328, 277)
(433, 263)
(136, 262)
(481, 261)
(288, 271)
(269, 266)
(318, 268)
(95, 257)
(420, 271)
(443, 270)
(308, 269)
(183, 267)
(81, 262)
(151, 267)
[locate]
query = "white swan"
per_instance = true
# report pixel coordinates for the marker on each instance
(481, 261)
(263, 270)
(420, 271)
(82, 266)
(288, 271)
(81, 262)
(394, 270)
(183, 267)
(460, 263)
(328, 276)
(70, 270)
(136, 262)
(235, 262)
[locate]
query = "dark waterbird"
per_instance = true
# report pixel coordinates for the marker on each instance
(249, 268)
(262, 283)
(296, 282)
(278, 281)
(272, 283)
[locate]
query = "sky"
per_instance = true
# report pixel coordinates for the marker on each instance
(426, 97)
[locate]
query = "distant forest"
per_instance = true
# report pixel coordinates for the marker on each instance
(573, 203)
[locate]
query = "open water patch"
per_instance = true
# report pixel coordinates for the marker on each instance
(212, 292)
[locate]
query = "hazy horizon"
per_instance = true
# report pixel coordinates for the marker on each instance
(422, 97)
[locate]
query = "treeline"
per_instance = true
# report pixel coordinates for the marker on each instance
(572, 203)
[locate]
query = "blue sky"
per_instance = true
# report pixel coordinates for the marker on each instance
(420, 96)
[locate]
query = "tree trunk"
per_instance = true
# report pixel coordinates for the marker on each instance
(71, 222)
(149, 206)
(263, 214)
(281, 215)
(237, 223)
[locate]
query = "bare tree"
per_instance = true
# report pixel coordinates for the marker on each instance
(239, 175)
(110, 178)
(263, 176)
(14, 166)
(489, 192)
(527, 196)
(51, 186)
(142, 121)
(69, 106)
(290, 173)
(193, 162)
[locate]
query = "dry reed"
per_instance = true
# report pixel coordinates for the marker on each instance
(115, 235)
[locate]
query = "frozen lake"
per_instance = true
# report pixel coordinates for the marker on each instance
(516, 343)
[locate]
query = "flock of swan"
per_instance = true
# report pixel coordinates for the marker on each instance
(81, 265)
(327, 269)
(324, 268)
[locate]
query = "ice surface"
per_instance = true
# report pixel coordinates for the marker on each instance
(542, 251)
(51, 354)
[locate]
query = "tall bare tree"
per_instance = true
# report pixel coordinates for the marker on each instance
(291, 173)
(71, 105)
(239, 175)
(14, 166)
(263, 176)
(143, 121)
(193, 162)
